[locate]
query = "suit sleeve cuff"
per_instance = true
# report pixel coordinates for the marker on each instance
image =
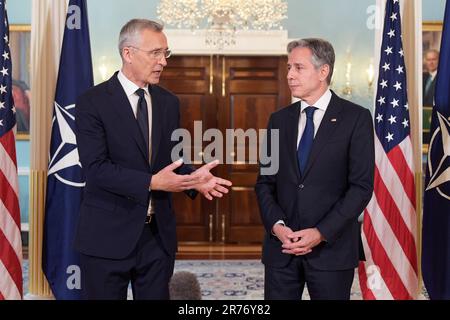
(278, 222)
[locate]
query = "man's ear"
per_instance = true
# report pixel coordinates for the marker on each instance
(126, 54)
(324, 72)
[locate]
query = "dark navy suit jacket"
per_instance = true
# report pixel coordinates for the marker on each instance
(333, 191)
(428, 97)
(115, 161)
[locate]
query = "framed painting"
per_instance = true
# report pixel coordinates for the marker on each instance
(431, 43)
(19, 41)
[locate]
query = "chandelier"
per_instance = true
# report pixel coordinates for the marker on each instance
(222, 18)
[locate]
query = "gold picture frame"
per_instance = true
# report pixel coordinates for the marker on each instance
(20, 43)
(431, 39)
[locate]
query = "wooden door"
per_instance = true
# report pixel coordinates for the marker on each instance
(227, 93)
(189, 77)
(252, 88)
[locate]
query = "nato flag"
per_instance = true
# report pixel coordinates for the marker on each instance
(65, 180)
(436, 212)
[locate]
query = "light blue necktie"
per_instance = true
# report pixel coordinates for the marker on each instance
(304, 147)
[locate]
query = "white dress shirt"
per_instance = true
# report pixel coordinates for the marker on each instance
(130, 90)
(321, 105)
(433, 74)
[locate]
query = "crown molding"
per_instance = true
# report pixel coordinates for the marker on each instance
(248, 42)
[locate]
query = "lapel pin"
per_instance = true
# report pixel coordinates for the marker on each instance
(333, 120)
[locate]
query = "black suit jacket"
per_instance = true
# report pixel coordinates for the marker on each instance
(428, 97)
(115, 161)
(332, 193)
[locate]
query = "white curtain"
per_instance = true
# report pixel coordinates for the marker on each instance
(47, 29)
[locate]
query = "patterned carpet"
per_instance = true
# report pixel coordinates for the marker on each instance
(230, 279)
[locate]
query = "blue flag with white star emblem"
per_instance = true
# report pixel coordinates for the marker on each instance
(65, 181)
(436, 211)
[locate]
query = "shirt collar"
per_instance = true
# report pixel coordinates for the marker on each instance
(129, 86)
(433, 74)
(321, 104)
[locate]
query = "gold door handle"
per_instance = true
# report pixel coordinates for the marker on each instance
(223, 227)
(210, 227)
(211, 74)
(223, 77)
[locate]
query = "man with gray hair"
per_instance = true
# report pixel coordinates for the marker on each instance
(126, 229)
(431, 60)
(310, 207)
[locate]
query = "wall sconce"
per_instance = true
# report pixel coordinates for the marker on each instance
(333, 78)
(370, 76)
(347, 90)
(103, 68)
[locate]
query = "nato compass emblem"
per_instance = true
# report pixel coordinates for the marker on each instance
(440, 175)
(64, 160)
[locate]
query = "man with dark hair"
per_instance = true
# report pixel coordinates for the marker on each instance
(310, 207)
(20, 92)
(126, 229)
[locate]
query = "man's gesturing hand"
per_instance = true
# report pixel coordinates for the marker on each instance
(209, 185)
(167, 180)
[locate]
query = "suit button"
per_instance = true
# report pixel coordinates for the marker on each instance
(301, 186)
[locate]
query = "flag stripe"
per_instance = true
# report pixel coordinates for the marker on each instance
(406, 148)
(394, 185)
(401, 167)
(390, 246)
(8, 144)
(10, 229)
(367, 293)
(380, 292)
(11, 283)
(382, 260)
(394, 219)
(8, 289)
(9, 198)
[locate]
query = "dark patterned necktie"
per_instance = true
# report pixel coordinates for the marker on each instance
(142, 115)
(304, 147)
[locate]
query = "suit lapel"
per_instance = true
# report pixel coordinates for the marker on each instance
(121, 105)
(157, 120)
(329, 123)
(292, 133)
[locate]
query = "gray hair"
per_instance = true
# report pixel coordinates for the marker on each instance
(322, 52)
(131, 31)
(184, 286)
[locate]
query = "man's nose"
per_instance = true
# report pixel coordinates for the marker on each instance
(163, 61)
(289, 74)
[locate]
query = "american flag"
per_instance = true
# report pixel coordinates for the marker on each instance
(10, 240)
(389, 226)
